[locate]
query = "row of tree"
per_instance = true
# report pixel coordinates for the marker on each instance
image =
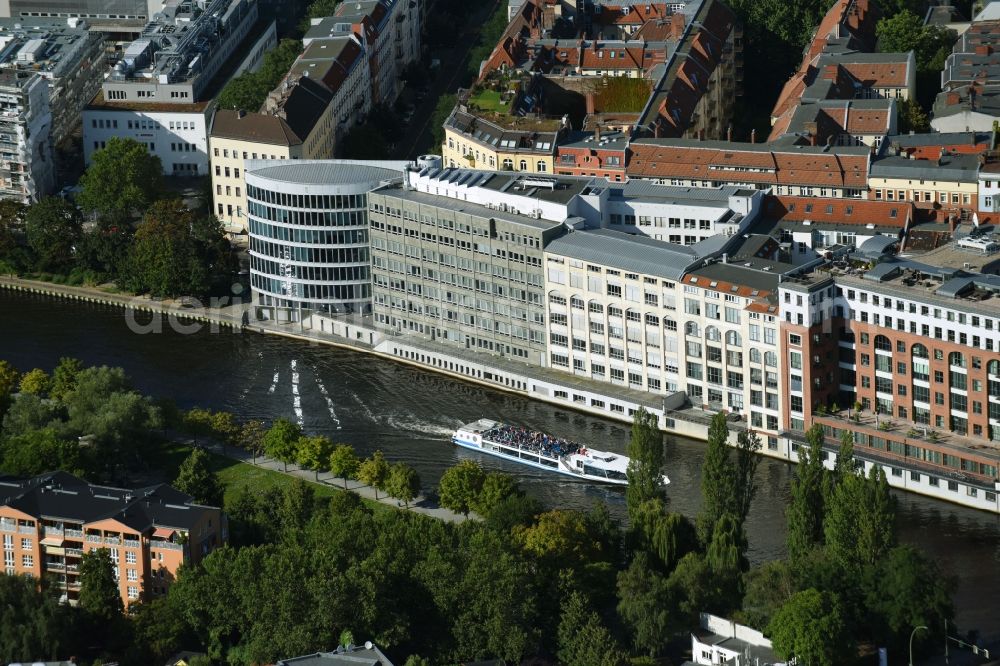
(248, 91)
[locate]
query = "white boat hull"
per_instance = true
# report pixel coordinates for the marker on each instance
(493, 449)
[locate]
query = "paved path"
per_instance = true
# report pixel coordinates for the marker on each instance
(421, 505)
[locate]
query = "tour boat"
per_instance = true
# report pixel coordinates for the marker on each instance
(542, 451)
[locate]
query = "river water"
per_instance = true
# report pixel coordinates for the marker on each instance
(410, 414)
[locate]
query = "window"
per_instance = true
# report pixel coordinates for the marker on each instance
(27, 561)
(130, 557)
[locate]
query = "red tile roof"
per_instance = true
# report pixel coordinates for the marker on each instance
(749, 163)
(859, 212)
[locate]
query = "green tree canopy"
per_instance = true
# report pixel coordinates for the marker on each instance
(403, 483)
(912, 118)
(812, 628)
(53, 229)
(36, 382)
(248, 91)
(314, 453)
(905, 31)
(197, 478)
(99, 595)
(11, 225)
(374, 472)
(460, 485)
(281, 441)
(583, 640)
(176, 252)
(859, 523)
(64, 376)
(251, 437)
(645, 467)
(33, 624)
(123, 179)
(560, 535)
(344, 462)
(807, 509)
(39, 451)
(496, 489)
(718, 479)
(644, 606)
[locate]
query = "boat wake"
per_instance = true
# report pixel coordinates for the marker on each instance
(326, 396)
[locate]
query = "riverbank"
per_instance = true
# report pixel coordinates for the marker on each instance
(567, 391)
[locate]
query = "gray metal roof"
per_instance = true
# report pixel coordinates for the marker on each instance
(939, 139)
(877, 245)
(958, 168)
(326, 172)
(461, 206)
(670, 194)
(627, 252)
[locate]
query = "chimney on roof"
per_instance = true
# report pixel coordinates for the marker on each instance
(941, 155)
(591, 106)
(597, 132)
(729, 134)
(972, 97)
(753, 135)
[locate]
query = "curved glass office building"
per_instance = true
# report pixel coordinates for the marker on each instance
(308, 224)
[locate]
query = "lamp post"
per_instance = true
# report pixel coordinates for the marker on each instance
(912, 633)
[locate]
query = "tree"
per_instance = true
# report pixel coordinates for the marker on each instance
(33, 624)
(249, 90)
(64, 377)
(225, 428)
(559, 535)
(767, 588)
(9, 379)
(297, 503)
(643, 605)
(11, 223)
(844, 465)
(196, 478)
(52, 227)
(725, 561)
(906, 590)
(314, 453)
(176, 252)
(906, 31)
(812, 628)
(36, 382)
(403, 483)
(667, 536)
(197, 421)
(718, 479)
(344, 463)
(583, 640)
(104, 248)
(806, 511)
(374, 472)
(645, 467)
(39, 451)
(912, 118)
(496, 488)
(251, 437)
(281, 441)
(460, 485)
(859, 524)
(123, 178)
(99, 595)
(748, 447)
(690, 590)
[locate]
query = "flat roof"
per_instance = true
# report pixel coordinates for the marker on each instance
(99, 103)
(627, 252)
(325, 172)
(460, 206)
(949, 168)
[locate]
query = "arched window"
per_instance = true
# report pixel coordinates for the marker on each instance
(993, 367)
(956, 359)
(508, 164)
(691, 328)
(523, 165)
(712, 334)
(771, 359)
(754, 355)
(556, 298)
(919, 351)
(733, 338)
(540, 166)
(883, 343)
(576, 302)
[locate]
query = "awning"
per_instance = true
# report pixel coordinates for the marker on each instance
(53, 541)
(163, 532)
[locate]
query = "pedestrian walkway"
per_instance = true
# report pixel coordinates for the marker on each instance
(420, 505)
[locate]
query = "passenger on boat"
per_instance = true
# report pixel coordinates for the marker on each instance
(531, 440)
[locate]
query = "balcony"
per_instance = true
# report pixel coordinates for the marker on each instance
(94, 538)
(8, 526)
(48, 531)
(132, 543)
(113, 541)
(74, 552)
(25, 529)
(166, 545)
(55, 566)
(73, 533)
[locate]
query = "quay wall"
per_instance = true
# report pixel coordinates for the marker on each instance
(527, 381)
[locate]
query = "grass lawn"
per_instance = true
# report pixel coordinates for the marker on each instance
(488, 100)
(236, 476)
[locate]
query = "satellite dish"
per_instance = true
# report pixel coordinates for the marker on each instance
(368, 645)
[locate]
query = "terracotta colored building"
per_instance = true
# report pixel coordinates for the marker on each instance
(48, 522)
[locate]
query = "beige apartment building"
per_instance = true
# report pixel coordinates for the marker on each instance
(651, 316)
(295, 130)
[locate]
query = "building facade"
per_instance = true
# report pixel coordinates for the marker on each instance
(27, 161)
(309, 236)
(48, 522)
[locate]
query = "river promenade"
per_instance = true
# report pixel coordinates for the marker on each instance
(420, 504)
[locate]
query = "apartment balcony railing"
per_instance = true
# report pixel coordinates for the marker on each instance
(132, 543)
(74, 552)
(25, 529)
(94, 538)
(73, 533)
(8, 526)
(52, 531)
(55, 566)
(113, 541)
(167, 545)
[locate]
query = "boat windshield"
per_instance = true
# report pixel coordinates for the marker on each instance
(531, 440)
